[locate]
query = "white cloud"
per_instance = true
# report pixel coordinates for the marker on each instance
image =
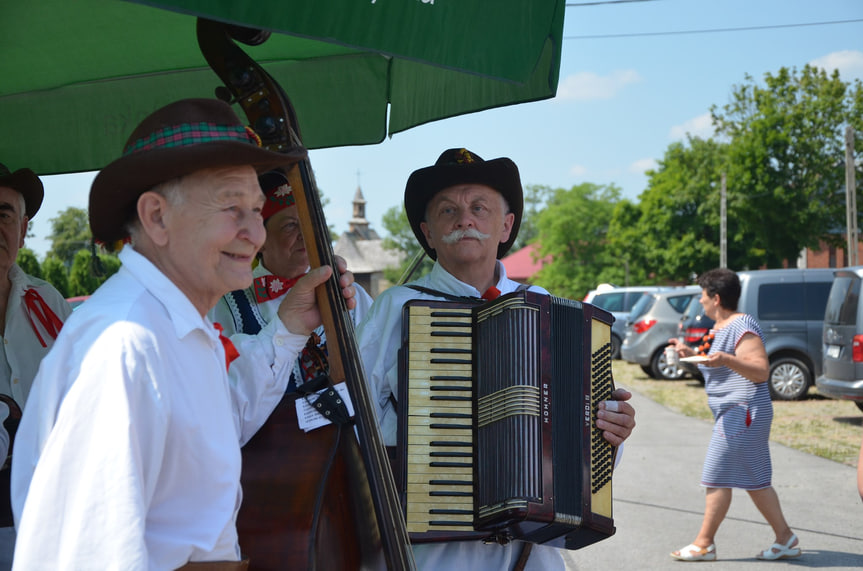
(642, 165)
(701, 126)
(588, 86)
(578, 170)
(848, 62)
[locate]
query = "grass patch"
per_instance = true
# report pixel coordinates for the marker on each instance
(816, 425)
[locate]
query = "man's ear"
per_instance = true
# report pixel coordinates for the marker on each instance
(152, 212)
(427, 233)
(508, 221)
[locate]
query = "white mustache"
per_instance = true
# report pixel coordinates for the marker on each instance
(457, 235)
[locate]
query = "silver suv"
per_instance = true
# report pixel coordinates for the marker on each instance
(652, 322)
(618, 301)
(843, 339)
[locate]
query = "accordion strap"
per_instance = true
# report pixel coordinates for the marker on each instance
(523, 557)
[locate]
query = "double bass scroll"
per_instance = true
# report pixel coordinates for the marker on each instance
(271, 115)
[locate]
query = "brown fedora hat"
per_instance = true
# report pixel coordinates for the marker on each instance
(176, 140)
(28, 184)
(460, 166)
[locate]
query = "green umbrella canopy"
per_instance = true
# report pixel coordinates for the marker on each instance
(77, 76)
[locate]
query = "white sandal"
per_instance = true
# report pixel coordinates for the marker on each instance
(693, 552)
(780, 551)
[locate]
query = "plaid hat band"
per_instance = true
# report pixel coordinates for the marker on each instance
(187, 134)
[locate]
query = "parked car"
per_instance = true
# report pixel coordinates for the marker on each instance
(789, 304)
(77, 300)
(652, 322)
(842, 375)
(619, 301)
(693, 326)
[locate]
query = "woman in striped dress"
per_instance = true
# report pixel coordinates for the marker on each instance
(735, 371)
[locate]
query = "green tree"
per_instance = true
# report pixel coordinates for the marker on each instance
(401, 238)
(535, 198)
(573, 230)
(82, 280)
(56, 274)
(70, 232)
(28, 262)
(785, 158)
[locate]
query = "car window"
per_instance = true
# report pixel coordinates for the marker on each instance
(797, 301)
(816, 294)
(680, 302)
(612, 301)
(781, 302)
(633, 299)
(842, 302)
(642, 306)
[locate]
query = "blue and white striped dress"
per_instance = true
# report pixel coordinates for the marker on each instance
(738, 455)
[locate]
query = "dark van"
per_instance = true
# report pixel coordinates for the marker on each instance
(789, 305)
(843, 339)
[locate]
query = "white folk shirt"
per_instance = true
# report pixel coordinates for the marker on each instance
(130, 441)
(22, 352)
(379, 337)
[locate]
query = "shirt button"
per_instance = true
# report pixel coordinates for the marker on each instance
(279, 341)
(14, 381)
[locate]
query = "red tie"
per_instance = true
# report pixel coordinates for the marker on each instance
(491, 293)
(231, 352)
(270, 287)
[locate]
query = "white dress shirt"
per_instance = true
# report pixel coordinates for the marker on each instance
(22, 352)
(379, 336)
(128, 453)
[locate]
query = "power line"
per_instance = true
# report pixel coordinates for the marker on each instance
(711, 31)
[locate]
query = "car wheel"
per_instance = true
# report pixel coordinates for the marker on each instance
(789, 379)
(648, 370)
(662, 369)
(615, 347)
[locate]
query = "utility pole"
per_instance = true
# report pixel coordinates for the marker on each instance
(723, 226)
(850, 198)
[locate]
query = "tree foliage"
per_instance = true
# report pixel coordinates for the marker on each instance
(573, 230)
(56, 274)
(786, 158)
(70, 232)
(401, 239)
(28, 262)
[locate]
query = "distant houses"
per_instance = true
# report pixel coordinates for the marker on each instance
(522, 265)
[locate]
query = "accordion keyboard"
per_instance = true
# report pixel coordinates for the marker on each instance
(439, 437)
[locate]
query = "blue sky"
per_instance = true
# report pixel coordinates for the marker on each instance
(622, 99)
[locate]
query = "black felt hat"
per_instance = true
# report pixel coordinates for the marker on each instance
(28, 184)
(460, 166)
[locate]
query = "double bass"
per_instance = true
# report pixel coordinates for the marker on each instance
(317, 500)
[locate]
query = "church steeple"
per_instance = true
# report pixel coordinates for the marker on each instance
(358, 224)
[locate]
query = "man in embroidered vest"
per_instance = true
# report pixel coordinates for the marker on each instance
(31, 314)
(128, 453)
(282, 260)
(465, 212)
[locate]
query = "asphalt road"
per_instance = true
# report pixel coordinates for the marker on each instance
(658, 504)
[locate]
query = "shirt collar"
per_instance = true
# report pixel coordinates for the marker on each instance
(180, 310)
(442, 280)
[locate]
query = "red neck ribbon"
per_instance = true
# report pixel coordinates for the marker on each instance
(37, 306)
(231, 352)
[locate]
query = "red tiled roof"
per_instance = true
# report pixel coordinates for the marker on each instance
(521, 265)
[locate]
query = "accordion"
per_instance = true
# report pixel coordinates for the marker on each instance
(497, 413)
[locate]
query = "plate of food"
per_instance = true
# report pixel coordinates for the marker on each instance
(694, 359)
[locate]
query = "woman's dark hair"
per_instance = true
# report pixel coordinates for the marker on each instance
(724, 282)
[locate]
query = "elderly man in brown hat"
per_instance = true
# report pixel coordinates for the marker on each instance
(31, 315)
(128, 454)
(465, 212)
